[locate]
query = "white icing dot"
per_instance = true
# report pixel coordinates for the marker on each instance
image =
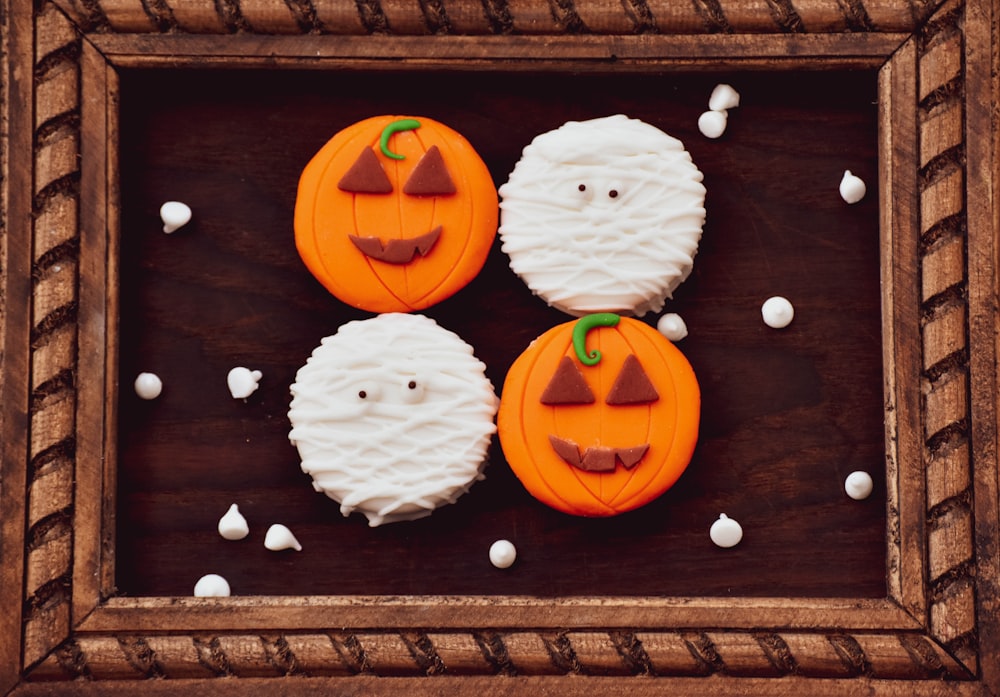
(777, 312)
(242, 382)
(279, 537)
(726, 532)
(233, 526)
(148, 385)
(723, 97)
(174, 215)
(211, 586)
(712, 124)
(858, 485)
(502, 554)
(672, 326)
(852, 188)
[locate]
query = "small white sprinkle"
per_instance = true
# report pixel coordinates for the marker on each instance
(174, 215)
(712, 124)
(859, 485)
(726, 532)
(777, 312)
(279, 537)
(148, 385)
(852, 188)
(233, 526)
(243, 382)
(723, 97)
(211, 586)
(502, 554)
(672, 326)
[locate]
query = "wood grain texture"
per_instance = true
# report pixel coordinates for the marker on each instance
(900, 333)
(587, 53)
(249, 613)
(724, 654)
(96, 319)
(55, 273)
(496, 16)
(939, 618)
(16, 150)
(981, 148)
(944, 318)
(169, 318)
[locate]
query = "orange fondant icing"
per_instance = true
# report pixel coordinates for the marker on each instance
(533, 433)
(328, 219)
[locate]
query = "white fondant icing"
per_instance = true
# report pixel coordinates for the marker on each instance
(279, 537)
(712, 124)
(672, 326)
(243, 382)
(777, 312)
(624, 242)
(148, 385)
(392, 417)
(852, 187)
(859, 485)
(174, 215)
(211, 586)
(503, 554)
(726, 532)
(723, 97)
(232, 525)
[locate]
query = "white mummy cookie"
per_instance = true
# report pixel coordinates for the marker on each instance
(603, 216)
(392, 417)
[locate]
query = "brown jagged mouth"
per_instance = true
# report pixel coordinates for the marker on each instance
(397, 251)
(597, 458)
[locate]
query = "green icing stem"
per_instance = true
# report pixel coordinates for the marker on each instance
(584, 325)
(392, 128)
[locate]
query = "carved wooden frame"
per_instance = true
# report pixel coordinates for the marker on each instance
(936, 632)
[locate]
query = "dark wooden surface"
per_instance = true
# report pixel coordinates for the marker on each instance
(786, 415)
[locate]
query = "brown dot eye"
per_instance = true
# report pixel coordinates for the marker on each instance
(412, 384)
(362, 394)
(613, 193)
(582, 187)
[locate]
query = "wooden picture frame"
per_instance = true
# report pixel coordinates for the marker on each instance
(936, 632)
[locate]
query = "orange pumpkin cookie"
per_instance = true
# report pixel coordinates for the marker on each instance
(599, 416)
(395, 214)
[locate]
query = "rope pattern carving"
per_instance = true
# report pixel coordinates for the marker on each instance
(53, 336)
(944, 326)
(497, 17)
(416, 654)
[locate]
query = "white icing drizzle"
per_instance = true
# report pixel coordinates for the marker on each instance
(400, 451)
(589, 251)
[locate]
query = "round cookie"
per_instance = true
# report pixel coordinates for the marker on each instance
(603, 215)
(395, 214)
(392, 417)
(599, 416)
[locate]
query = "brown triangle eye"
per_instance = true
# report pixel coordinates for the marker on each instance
(430, 177)
(365, 176)
(632, 386)
(567, 386)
